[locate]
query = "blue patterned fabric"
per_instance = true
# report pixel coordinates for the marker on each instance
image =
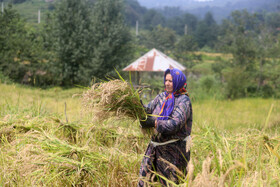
(179, 80)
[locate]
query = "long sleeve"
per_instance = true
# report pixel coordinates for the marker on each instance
(150, 107)
(178, 118)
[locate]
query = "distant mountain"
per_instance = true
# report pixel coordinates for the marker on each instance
(219, 8)
(135, 9)
(185, 4)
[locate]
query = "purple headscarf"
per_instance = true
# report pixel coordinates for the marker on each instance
(179, 83)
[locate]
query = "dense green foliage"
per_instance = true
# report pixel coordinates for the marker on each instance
(252, 47)
(161, 38)
(74, 45)
(20, 49)
(80, 41)
(72, 40)
(111, 39)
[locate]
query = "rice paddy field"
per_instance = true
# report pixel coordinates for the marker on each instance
(48, 140)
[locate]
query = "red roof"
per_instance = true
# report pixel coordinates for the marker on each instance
(154, 60)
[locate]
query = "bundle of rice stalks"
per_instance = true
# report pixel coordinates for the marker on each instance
(115, 98)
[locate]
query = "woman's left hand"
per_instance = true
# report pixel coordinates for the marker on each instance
(148, 123)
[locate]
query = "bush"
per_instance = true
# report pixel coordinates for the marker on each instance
(267, 91)
(202, 69)
(207, 82)
(4, 79)
(205, 88)
(237, 81)
(186, 43)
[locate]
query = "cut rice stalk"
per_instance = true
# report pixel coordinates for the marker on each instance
(115, 98)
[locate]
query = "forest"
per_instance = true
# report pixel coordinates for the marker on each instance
(79, 42)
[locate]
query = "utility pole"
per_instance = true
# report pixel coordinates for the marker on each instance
(39, 16)
(186, 29)
(137, 28)
(2, 8)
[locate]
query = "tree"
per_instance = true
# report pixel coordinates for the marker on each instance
(152, 18)
(239, 38)
(178, 24)
(186, 43)
(11, 33)
(133, 12)
(191, 22)
(73, 46)
(20, 48)
(272, 21)
(111, 38)
(241, 34)
(169, 12)
(18, 1)
(207, 31)
(160, 38)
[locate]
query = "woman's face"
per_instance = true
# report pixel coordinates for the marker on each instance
(168, 83)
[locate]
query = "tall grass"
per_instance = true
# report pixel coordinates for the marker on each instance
(38, 147)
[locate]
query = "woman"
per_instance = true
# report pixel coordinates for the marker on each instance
(167, 155)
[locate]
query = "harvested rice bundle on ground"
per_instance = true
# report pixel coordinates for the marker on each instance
(115, 98)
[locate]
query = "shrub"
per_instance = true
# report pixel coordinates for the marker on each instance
(207, 82)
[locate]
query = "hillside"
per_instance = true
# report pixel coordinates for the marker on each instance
(222, 12)
(220, 9)
(135, 9)
(193, 4)
(28, 9)
(185, 4)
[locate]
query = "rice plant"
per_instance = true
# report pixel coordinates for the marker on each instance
(114, 98)
(231, 145)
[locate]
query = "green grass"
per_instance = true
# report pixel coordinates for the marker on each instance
(29, 10)
(39, 147)
(239, 114)
(212, 57)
